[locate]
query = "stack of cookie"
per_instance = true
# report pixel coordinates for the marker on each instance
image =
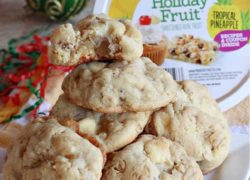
(121, 116)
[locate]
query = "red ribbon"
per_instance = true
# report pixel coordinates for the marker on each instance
(23, 73)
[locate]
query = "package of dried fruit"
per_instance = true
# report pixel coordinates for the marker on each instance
(207, 41)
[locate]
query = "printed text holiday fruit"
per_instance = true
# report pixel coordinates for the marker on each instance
(191, 13)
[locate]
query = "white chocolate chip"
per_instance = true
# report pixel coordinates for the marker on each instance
(87, 126)
(155, 153)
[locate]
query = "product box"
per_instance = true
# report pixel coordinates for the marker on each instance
(207, 40)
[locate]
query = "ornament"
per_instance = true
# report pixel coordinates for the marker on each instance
(57, 9)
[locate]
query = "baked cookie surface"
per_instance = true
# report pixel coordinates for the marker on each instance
(47, 150)
(150, 158)
(199, 96)
(8, 133)
(204, 137)
(195, 121)
(111, 131)
(117, 87)
(96, 37)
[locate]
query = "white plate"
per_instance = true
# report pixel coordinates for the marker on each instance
(235, 167)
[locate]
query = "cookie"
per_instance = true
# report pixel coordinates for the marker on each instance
(204, 137)
(191, 49)
(96, 37)
(117, 87)
(8, 133)
(111, 131)
(150, 158)
(199, 96)
(47, 150)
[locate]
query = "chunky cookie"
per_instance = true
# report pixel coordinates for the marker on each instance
(8, 133)
(111, 131)
(116, 87)
(204, 137)
(151, 158)
(202, 132)
(191, 49)
(199, 96)
(47, 150)
(95, 38)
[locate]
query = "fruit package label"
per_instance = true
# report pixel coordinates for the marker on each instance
(207, 40)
